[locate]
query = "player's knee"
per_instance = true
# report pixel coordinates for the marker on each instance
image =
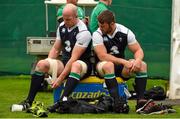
(76, 65)
(144, 67)
(108, 67)
(42, 66)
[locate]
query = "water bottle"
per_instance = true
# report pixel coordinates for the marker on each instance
(16, 108)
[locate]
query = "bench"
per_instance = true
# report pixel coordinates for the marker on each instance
(91, 87)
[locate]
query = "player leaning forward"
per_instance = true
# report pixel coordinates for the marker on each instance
(110, 41)
(73, 40)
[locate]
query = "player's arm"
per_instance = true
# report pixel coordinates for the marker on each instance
(55, 50)
(83, 40)
(136, 49)
(101, 51)
(138, 56)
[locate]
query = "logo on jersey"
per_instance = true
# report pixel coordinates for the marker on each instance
(80, 43)
(74, 33)
(68, 46)
(120, 39)
(63, 30)
(105, 38)
(114, 50)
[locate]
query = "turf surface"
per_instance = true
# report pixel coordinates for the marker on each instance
(15, 88)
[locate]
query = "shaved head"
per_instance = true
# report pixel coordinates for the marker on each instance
(70, 15)
(70, 10)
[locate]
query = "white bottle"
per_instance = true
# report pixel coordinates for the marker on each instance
(16, 108)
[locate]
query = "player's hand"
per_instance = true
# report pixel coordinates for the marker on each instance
(128, 64)
(136, 65)
(56, 83)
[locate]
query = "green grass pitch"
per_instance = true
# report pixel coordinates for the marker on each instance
(15, 88)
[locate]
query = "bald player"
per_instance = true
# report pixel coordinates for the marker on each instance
(73, 40)
(80, 11)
